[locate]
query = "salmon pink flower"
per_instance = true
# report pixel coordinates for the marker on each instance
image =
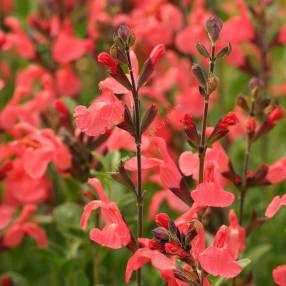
(20, 188)
(17, 39)
(210, 193)
(275, 205)
(105, 112)
(42, 147)
(217, 259)
(67, 48)
(14, 235)
(279, 275)
(115, 233)
(159, 261)
(277, 171)
(67, 82)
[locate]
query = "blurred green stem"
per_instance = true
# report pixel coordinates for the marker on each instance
(244, 180)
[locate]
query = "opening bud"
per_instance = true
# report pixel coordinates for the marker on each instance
(157, 53)
(162, 219)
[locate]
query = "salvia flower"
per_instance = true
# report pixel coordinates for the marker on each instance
(115, 234)
(279, 275)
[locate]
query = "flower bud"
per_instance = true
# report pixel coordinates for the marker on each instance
(124, 37)
(118, 54)
(275, 115)
(115, 70)
(224, 51)
(191, 130)
(106, 60)
(212, 83)
(156, 54)
(156, 245)
(173, 249)
(250, 127)
(162, 219)
(149, 116)
(161, 233)
(202, 50)
(199, 75)
(123, 32)
(242, 103)
(213, 27)
(221, 128)
(127, 123)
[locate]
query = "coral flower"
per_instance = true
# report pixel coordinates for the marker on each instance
(115, 233)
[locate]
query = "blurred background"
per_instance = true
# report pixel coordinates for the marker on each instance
(48, 51)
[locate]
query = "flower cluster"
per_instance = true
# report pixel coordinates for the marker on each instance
(119, 127)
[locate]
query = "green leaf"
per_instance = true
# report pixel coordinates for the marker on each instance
(49, 255)
(68, 215)
(256, 253)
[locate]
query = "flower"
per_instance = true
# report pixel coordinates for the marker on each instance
(217, 259)
(67, 48)
(279, 275)
(159, 261)
(276, 203)
(41, 148)
(210, 193)
(115, 233)
(104, 112)
(14, 235)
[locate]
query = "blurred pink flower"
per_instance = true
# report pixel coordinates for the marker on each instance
(279, 275)
(14, 235)
(275, 205)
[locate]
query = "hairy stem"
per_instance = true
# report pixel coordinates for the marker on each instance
(202, 146)
(140, 198)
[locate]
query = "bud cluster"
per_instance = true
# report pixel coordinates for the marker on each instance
(170, 240)
(260, 109)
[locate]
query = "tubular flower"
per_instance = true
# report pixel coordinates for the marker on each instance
(217, 259)
(15, 234)
(115, 233)
(210, 193)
